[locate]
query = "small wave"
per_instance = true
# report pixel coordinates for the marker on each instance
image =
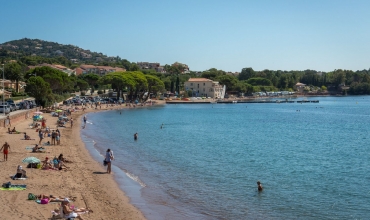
(135, 178)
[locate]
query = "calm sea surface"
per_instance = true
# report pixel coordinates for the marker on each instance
(313, 159)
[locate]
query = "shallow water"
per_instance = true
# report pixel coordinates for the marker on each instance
(313, 159)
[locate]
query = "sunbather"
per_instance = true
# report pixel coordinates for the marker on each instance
(46, 165)
(36, 149)
(68, 212)
(50, 198)
(20, 173)
(14, 130)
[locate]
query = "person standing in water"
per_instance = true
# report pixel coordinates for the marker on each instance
(260, 188)
(108, 159)
(135, 136)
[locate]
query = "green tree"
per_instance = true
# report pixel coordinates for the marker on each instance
(82, 84)
(258, 81)
(13, 72)
(91, 79)
(38, 88)
(155, 85)
(246, 73)
(229, 81)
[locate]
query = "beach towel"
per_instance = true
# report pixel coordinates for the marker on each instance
(12, 176)
(12, 188)
(28, 139)
(30, 148)
(43, 203)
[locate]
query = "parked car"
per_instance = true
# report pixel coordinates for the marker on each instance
(8, 105)
(4, 108)
(19, 105)
(13, 107)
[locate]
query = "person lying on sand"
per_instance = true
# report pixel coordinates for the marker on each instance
(69, 212)
(51, 198)
(37, 149)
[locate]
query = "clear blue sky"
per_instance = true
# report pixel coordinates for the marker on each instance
(229, 35)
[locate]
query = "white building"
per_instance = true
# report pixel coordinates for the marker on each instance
(202, 87)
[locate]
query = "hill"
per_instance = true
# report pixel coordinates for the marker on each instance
(36, 47)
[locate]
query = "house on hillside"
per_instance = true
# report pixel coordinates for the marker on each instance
(299, 87)
(100, 70)
(55, 66)
(202, 87)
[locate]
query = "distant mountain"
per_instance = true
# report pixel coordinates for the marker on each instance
(47, 49)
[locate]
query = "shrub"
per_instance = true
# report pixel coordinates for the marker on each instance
(100, 92)
(83, 93)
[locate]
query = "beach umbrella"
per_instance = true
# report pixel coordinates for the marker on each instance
(31, 160)
(58, 110)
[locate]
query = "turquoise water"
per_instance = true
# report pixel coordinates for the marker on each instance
(313, 159)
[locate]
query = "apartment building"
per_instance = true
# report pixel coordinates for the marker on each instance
(202, 87)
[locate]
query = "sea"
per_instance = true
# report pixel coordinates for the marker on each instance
(203, 161)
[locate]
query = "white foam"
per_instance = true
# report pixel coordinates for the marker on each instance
(135, 178)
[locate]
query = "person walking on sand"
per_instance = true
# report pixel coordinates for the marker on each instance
(41, 135)
(7, 122)
(71, 122)
(135, 136)
(108, 159)
(260, 188)
(6, 147)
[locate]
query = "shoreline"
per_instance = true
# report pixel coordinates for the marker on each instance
(84, 180)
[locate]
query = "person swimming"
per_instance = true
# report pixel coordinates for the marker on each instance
(260, 188)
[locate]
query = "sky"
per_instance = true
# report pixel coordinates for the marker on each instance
(322, 35)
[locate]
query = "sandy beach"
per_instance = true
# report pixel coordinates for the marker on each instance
(86, 179)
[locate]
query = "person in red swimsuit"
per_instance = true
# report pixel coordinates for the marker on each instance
(6, 150)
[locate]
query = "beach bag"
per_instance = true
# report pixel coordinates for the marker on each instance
(7, 185)
(105, 162)
(31, 196)
(44, 201)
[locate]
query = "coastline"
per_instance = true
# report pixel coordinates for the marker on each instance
(85, 180)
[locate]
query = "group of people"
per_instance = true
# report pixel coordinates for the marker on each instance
(54, 134)
(12, 131)
(58, 163)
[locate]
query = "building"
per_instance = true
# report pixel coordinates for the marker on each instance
(155, 66)
(8, 84)
(100, 70)
(299, 87)
(55, 66)
(202, 87)
(184, 68)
